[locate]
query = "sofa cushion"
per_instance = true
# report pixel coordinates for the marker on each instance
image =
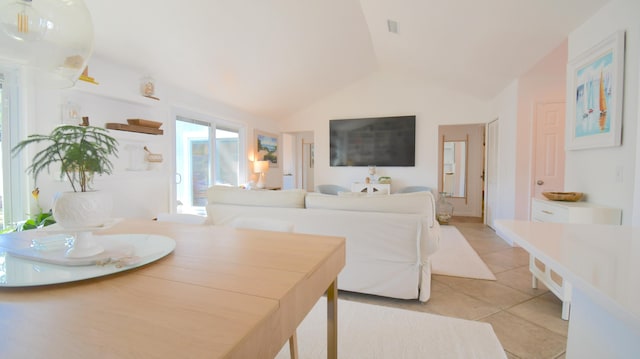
(418, 202)
(231, 195)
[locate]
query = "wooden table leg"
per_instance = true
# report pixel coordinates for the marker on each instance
(293, 346)
(332, 320)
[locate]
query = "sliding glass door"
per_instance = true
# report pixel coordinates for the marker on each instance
(207, 153)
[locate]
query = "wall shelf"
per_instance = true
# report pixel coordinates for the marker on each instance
(134, 128)
(100, 90)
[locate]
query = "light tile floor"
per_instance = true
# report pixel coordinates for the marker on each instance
(527, 321)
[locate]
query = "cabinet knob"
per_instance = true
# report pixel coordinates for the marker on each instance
(540, 182)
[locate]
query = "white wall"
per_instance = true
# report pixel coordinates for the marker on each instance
(593, 171)
(505, 108)
(116, 98)
(544, 82)
(388, 94)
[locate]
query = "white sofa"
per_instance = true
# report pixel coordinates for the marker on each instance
(389, 238)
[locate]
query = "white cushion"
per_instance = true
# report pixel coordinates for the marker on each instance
(231, 195)
(361, 194)
(418, 202)
(351, 194)
(263, 224)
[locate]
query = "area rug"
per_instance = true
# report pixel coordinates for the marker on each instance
(377, 332)
(455, 257)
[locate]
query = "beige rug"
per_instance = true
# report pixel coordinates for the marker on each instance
(456, 257)
(376, 332)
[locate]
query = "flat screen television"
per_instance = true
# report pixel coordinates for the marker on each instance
(380, 141)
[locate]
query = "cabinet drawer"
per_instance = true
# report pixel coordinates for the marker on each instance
(542, 212)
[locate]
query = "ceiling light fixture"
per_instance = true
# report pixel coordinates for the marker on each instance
(54, 37)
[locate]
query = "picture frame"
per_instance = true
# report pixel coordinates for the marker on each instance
(594, 95)
(267, 147)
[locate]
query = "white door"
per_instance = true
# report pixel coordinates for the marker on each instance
(304, 166)
(308, 165)
(491, 178)
(548, 153)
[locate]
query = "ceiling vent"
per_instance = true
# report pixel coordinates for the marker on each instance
(392, 26)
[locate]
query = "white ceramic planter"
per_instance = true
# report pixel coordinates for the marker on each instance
(81, 210)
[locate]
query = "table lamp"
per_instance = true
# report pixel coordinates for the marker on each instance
(260, 167)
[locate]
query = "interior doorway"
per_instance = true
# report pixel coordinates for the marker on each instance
(298, 160)
(461, 167)
(548, 151)
(491, 173)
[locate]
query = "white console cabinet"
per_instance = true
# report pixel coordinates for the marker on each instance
(543, 210)
(371, 188)
(573, 212)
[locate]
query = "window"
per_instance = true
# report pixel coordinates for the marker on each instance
(206, 153)
(227, 156)
(14, 201)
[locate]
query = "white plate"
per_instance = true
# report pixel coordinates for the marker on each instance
(20, 272)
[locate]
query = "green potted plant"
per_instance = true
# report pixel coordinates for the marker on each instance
(81, 153)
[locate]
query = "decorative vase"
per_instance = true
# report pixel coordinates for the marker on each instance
(444, 209)
(74, 210)
(80, 212)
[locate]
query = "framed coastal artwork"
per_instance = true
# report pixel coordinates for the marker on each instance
(594, 95)
(266, 148)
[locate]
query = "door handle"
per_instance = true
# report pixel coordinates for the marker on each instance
(540, 182)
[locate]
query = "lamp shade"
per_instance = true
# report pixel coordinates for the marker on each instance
(260, 166)
(53, 37)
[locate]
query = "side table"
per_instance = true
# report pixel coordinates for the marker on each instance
(371, 187)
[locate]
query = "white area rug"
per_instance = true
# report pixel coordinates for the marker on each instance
(455, 257)
(376, 332)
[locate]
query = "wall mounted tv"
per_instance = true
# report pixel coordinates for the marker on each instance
(380, 141)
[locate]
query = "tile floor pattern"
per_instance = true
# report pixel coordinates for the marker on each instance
(527, 321)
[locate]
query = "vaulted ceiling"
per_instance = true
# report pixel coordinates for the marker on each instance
(273, 57)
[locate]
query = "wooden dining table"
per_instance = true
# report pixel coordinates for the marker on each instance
(221, 293)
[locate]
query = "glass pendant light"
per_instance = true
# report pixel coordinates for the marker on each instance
(54, 37)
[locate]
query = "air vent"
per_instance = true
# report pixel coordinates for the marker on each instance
(392, 26)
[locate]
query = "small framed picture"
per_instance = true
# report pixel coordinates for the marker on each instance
(267, 148)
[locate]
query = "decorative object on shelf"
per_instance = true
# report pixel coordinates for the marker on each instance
(84, 76)
(260, 167)
(563, 196)
(148, 88)
(154, 159)
(372, 173)
(53, 37)
(384, 180)
(85, 121)
(137, 125)
(444, 209)
(267, 148)
(595, 83)
(70, 113)
(82, 152)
